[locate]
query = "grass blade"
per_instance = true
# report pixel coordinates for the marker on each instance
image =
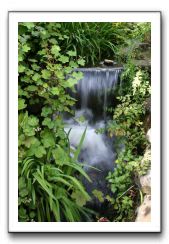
(77, 152)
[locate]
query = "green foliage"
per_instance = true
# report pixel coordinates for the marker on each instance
(99, 195)
(50, 185)
(111, 39)
(49, 178)
(48, 188)
(81, 37)
(133, 35)
(128, 116)
(124, 187)
(127, 127)
(142, 32)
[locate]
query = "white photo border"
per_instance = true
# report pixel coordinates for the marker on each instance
(86, 16)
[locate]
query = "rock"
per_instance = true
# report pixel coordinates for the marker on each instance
(145, 182)
(109, 62)
(142, 62)
(149, 135)
(144, 211)
(147, 105)
(147, 122)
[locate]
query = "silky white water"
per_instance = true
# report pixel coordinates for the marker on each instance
(96, 148)
(94, 94)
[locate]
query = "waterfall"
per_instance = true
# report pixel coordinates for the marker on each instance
(94, 93)
(95, 90)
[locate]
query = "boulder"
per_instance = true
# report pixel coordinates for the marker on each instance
(145, 182)
(144, 211)
(149, 135)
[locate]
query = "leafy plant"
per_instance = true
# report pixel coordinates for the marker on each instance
(50, 184)
(135, 36)
(49, 178)
(127, 127)
(48, 190)
(81, 37)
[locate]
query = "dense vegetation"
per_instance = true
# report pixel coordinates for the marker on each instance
(50, 185)
(127, 126)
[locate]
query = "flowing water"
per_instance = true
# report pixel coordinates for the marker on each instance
(94, 94)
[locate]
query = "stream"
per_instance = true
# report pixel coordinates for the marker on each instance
(94, 94)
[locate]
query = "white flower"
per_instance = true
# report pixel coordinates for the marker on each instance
(137, 81)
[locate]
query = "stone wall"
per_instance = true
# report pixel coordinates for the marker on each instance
(144, 210)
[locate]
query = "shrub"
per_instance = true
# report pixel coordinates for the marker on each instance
(127, 126)
(49, 178)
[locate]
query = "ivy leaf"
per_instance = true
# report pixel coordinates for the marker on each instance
(63, 59)
(40, 151)
(46, 111)
(55, 50)
(79, 198)
(47, 138)
(53, 41)
(77, 75)
(33, 121)
(23, 192)
(33, 147)
(31, 88)
(36, 150)
(36, 77)
(29, 141)
(98, 195)
(81, 62)
(55, 90)
(110, 199)
(29, 25)
(45, 85)
(21, 139)
(28, 73)
(29, 131)
(25, 48)
(20, 57)
(46, 74)
(113, 188)
(60, 133)
(59, 155)
(72, 53)
(21, 104)
(35, 67)
(48, 122)
(73, 64)
(68, 70)
(71, 82)
(21, 68)
(59, 74)
(42, 52)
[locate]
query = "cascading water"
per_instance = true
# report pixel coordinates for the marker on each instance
(94, 93)
(95, 90)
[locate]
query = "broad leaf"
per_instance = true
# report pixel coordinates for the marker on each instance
(72, 53)
(48, 139)
(21, 104)
(55, 90)
(63, 59)
(48, 122)
(46, 74)
(55, 50)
